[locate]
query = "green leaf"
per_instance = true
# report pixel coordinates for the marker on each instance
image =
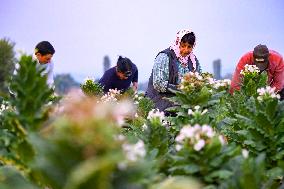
(220, 174)
(191, 169)
(275, 172)
(280, 155)
(271, 109)
(250, 143)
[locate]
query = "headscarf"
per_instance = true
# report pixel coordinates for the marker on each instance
(175, 48)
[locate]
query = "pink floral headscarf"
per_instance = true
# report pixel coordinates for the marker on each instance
(175, 47)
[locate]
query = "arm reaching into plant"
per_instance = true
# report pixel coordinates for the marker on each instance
(277, 79)
(235, 83)
(170, 66)
(266, 60)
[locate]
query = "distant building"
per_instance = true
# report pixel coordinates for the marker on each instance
(106, 63)
(217, 69)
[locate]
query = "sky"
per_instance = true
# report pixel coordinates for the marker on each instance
(85, 31)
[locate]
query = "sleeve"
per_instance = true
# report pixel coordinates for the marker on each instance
(105, 82)
(278, 78)
(161, 72)
(50, 76)
(198, 66)
(135, 78)
(236, 80)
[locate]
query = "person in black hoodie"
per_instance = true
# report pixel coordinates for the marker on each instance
(120, 76)
(170, 65)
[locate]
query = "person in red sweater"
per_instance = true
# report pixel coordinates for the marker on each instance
(266, 60)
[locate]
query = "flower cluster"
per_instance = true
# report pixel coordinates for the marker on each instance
(156, 114)
(91, 88)
(3, 107)
(137, 98)
(266, 93)
(111, 96)
(219, 84)
(190, 81)
(193, 82)
(250, 70)
(196, 111)
(134, 151)
(123, 111)
(196, 136)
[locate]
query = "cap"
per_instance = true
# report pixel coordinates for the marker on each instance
(260, 56)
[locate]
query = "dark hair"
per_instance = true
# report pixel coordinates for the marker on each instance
(189, 38)
(44, 48)
(124, 64)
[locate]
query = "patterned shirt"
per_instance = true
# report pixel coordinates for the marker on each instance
(161, 72)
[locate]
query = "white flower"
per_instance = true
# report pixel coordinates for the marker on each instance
(134, 151)
(208, 131)
(196, 127)
(187, 131)
(245, 153)
(122, 166)
(144, 127)
(178, 147)
(196, 135)
(3, 107)
(268, 92)
(155, 113)
(220, 83)
(211, 80)
(197, 107)
(222, 140)
(180, 138)
(190, 112)
(249, 69)
(120, 120)
(199, 145)
(228, 81)
(111, 96)
(119, 137)
(204, 111)
(122, 110)
(166, 123)
(17, 65)
(198, 76)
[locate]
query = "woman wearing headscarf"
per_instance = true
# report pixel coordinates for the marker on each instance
(170, 65)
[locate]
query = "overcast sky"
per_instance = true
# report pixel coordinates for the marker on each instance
(84, 31)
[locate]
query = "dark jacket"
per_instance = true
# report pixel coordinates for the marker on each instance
(158, 97)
